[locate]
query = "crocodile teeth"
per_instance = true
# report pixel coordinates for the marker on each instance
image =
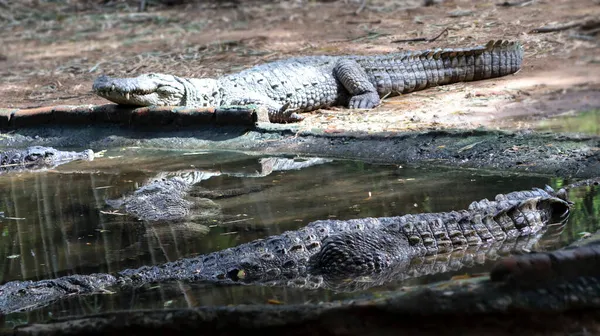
(112, 88)
(127, 96)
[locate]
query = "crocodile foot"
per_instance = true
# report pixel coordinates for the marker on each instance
(364, 101)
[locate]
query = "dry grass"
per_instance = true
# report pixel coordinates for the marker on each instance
(52, 51)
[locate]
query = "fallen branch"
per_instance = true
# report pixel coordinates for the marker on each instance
(421, 39)
(550, 29)
(515, 3)
(363, 22)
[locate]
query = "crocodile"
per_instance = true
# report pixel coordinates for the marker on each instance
(551, 298)
(326, 253)
(39, 157)
(288, 87)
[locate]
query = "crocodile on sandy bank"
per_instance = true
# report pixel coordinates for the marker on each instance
(308, 83)
(39, 157)
(326, 253)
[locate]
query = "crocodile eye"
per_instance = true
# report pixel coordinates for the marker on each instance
(163, 89)
(33, 157)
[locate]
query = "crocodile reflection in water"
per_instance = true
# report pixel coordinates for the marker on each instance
(176, 197)
(173, 205)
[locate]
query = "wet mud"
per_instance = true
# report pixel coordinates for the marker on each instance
(519, 151)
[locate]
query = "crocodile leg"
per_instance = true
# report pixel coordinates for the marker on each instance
(277, 112)
(363, 93)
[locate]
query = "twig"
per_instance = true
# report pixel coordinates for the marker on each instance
(591, 31)
(370, 36)
(421, 39)
(521, 3)
(237, 221)
(550, 29)
(363, 21)
(582, 37)
(362, 6)
(460, 13)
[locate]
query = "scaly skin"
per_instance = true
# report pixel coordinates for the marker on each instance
(38, 157)
(339, 250)
(308, 83)
(520, 294)
(325, 253)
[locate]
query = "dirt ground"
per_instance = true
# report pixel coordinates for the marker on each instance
(52, 51)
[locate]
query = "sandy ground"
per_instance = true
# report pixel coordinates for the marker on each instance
(51, 52)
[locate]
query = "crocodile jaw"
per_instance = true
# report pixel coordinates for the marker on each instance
(144, 90)
(47, 156)
(61, 157)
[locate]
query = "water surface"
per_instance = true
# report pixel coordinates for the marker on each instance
(57, 222)
(586, 122)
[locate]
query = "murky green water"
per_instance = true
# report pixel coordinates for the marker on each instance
(58, 223)
(587, 122)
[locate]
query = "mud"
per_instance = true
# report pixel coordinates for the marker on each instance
(520, 151)
(471, 307)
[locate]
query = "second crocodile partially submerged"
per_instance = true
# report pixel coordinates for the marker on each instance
(312, 82)
(326, 253)
(39, 157)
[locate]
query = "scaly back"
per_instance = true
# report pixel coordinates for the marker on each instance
(409, 71)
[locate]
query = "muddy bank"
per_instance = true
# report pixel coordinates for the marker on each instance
(531, 152)
(471, 307)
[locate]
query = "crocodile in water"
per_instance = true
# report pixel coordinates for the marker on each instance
(327, 252)
(38, 157)
(308, 83)
(559, 297)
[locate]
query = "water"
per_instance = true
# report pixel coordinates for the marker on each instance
(57, 222)
(586, 122)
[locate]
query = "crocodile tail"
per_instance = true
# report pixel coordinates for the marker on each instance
(500, 58)
(495, 59)
(517, 214)
(417, 70)
(537, 213)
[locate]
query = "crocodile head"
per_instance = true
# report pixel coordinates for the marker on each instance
(40, 156)
(158, 90)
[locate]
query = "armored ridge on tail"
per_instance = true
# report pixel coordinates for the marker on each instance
(308, 83)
